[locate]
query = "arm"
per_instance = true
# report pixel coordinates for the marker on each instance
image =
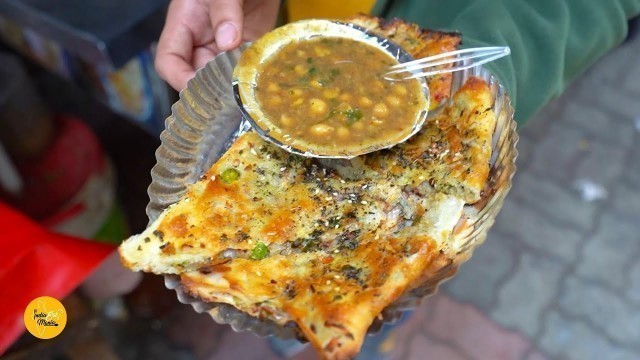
(552, 41)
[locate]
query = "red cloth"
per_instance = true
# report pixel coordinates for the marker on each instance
(35, 262)
(53, 178)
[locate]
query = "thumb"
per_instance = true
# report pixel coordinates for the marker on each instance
(227, 22)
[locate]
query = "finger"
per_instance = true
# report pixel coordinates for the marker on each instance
(173, 67)
(227, 22)
(260, 17)
(202, 55)
(175, 47)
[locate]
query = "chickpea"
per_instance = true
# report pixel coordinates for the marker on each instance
(380, 110)
(345, 97)
(301, 53)
(393, 100)
(321, 51)
(377, 121)
(358, 126)
(275, 100)
(286, 120)
(378, 84)
(300, 70)
(321, 129)
(365, 101)
(298, 102)
(296, 92)
(273, 87)
(399, 89)
(343, 132)
(315, 83)
(331, 93)
(317, 106)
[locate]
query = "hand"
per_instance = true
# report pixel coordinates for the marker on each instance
(197, 30)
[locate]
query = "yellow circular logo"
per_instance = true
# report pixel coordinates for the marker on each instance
(45, 317)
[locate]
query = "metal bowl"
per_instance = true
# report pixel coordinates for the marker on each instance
(205, 122)
(246, 75)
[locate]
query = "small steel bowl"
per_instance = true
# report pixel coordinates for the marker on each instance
(248, 69)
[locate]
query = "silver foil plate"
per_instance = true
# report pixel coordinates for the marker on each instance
(206, 121)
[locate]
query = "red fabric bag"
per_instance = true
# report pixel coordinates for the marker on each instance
(36, 262)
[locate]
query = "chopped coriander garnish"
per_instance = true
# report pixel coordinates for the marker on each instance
(309, 60)
(309, 244)
(348, 240)
(260, 251)
(351, 272)
(313, 70)
(230, 175)
(353, 115)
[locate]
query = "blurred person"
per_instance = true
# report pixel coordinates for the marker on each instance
(552, 42)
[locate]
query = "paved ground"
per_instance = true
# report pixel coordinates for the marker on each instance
(559, 276)
(561, 268)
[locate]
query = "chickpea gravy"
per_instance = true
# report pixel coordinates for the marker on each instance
(330, 91)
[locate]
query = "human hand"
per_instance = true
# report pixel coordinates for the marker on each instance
(197, 30)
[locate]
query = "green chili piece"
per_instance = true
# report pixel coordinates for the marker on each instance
(260, 251)
(230, 175)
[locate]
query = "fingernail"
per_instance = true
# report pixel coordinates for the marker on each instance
(226, 34)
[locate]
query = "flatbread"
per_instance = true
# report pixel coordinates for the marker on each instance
(324, 249)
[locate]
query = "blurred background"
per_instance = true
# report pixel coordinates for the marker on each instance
(81, 111)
